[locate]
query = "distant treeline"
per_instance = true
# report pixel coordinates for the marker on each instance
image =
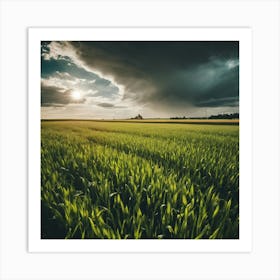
(219, 117)
(225, 116)
(138, 117)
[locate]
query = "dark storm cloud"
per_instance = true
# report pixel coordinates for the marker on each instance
(170, 74)
(56, 97)
(105, 105)
(109, 105)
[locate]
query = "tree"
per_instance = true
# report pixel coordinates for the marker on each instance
(138, 117)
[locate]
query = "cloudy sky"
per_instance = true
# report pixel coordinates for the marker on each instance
(106, 80)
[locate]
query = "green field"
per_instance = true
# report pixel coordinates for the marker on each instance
(139, 180)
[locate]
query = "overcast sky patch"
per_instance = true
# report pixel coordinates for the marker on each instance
(158, 78)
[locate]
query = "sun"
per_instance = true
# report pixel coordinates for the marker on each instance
(76, 95)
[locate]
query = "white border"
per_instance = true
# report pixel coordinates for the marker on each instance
(243, 35)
